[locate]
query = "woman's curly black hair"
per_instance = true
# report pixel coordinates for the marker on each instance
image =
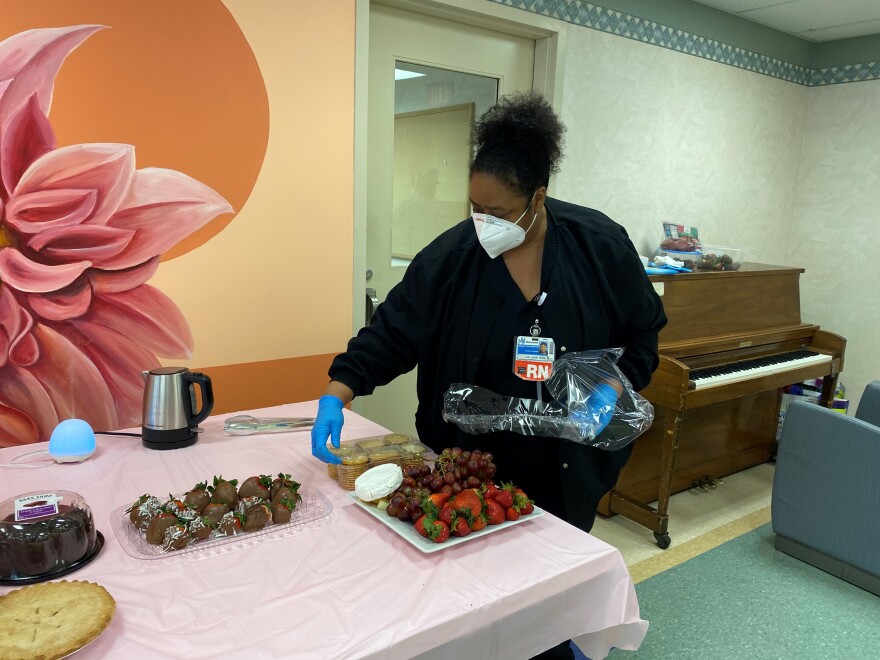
(519, 142)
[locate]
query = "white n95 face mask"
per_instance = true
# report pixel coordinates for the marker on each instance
(498, 235)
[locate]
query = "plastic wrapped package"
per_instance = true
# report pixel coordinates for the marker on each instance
(581, 409)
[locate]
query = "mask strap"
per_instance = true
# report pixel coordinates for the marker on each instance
(534, 217)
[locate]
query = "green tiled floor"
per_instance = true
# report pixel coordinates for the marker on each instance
(745, 599)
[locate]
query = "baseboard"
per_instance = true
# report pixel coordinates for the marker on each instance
(835, 567)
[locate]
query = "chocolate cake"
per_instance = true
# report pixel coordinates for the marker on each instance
(43, 544)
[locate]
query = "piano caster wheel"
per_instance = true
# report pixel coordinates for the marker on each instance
(663, 540)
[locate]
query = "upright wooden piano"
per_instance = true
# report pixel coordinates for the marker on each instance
(733, 340)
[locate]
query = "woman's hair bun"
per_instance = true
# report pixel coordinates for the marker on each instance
(519, 141)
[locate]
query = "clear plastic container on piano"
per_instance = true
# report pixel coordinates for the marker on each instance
(717, 257)
(690, 259)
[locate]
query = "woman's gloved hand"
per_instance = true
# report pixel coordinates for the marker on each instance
(600, 405)
(328, 423)
(596, 412)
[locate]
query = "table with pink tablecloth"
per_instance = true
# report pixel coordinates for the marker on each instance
(344, 586)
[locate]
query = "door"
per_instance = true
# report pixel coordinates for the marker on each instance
(428, 79)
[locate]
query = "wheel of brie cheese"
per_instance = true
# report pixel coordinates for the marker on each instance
(378, 482)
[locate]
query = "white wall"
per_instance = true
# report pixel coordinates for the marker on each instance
(655, 135)
(836, 228)
(788, 173)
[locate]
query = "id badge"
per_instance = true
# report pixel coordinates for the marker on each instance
(533, 358)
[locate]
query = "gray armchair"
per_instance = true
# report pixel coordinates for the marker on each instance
(826, 491)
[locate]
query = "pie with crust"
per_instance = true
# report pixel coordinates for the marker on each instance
(52, 619)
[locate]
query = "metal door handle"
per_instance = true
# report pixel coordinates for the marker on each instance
(372, 304)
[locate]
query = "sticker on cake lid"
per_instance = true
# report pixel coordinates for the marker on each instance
(36, 506)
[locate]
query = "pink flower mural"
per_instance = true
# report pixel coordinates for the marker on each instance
(81, 232)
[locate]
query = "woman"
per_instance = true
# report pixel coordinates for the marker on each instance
(524, 265)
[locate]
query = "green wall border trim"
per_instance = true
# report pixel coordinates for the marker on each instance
(584, 14)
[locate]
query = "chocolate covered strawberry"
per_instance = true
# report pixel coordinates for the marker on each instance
(201, 528)
(246, 503)
(176, 538)
(198, 498)
(224, 491)
(284, 481)
(255, 487)
(282, 510)
(143, 511)
(156, 529)
(230, 524)
(215, 511)
(257, 517)
(173, 505)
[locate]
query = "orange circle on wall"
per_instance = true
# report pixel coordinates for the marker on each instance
(178, 80)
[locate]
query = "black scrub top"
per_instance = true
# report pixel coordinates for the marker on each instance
(530, 462)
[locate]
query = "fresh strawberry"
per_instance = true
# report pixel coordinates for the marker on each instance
(438, 531)
(468, 502)
(420, 525)
(447, 514)
(523, 504)
(504, 498)
(478, 522)
(512, 514)
(439, 499)
(494, 512)
(460, 527)
(490, 491)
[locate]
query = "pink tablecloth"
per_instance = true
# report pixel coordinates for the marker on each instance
(346, 587)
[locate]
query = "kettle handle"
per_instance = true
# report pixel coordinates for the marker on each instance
(204, 383)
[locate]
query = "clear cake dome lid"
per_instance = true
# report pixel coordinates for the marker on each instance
(44, 535)
(40, 506)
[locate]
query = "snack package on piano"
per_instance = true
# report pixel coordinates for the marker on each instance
(584, 387)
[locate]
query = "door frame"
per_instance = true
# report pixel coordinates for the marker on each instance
(549, 35)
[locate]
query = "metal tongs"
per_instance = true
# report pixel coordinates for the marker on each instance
(248, 425)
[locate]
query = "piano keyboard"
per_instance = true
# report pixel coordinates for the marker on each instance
(747, 369)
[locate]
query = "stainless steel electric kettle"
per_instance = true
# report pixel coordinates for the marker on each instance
(169, 420)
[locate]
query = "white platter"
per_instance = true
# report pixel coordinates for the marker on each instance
(408, 532)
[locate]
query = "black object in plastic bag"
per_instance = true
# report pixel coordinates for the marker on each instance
(578, 412)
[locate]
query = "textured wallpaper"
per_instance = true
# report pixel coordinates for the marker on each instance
(836, 228)
(789, 173)
(655, 135)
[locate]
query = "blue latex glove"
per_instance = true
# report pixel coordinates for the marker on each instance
(328, 422)
(601, 405)
(597, 412)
